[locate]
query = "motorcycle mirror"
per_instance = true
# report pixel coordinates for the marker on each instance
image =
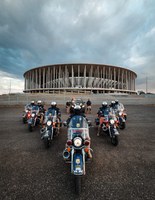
(89, 123)
(65, 123)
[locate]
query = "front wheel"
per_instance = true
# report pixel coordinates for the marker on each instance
(30, 127)
(78, 184)
(46, 143)
(24, 120)
(114, 140)
(122, 125)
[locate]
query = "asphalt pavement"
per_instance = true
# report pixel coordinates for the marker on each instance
(29, 171)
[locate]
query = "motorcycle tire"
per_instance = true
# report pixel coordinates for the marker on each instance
(30, 127)
(114, 140)
(78, 184)
(46, 143)
(122, 125)
(24, 121)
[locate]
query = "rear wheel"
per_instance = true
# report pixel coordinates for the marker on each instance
(78, 184)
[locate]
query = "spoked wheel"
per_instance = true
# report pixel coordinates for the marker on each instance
(46, 143)
(30, 127)
(24, 121)
(78, 184)
(122, 125)
(114, 140)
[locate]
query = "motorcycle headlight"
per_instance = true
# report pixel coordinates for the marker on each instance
(77, 142)
(27, 111)
(49, 123)
(112, 121)
(33, 115)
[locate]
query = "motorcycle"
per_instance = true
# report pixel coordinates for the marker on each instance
(109, 124)
(27, 113)
(52, 127)
(77, 148)
(121, 118)
(33, 118)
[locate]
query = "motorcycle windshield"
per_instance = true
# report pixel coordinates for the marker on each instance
(28, 107)
(78, 121)
(51, 114)
(35, 109)
(78, 126)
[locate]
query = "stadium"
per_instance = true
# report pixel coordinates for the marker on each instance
(80, 78)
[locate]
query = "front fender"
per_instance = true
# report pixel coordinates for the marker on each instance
(30, 121)
(121, 119)
(48, 134)
(78, 164)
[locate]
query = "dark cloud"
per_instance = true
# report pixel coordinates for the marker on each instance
(36, 32)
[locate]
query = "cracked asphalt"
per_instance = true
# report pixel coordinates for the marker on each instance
(126, 172)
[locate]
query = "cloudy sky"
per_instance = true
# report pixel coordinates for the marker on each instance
(38, 32)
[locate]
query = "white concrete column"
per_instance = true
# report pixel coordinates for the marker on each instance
(85, 76)
(44, 85)
(119, 78)
(54, 77)
(78, 74)
(122, 81)
(115, 78)
(30, 80)
(39, 78)
(72, 77)
(59, 75)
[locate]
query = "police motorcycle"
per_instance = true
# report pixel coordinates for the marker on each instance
(113, 129)
(121, 118)
(77, 148)
(33, 119)
(51, 127)
(26, 113)
(108, 123)
(121, 114)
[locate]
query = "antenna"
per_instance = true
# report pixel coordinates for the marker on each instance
(146, 84)
(10, 87)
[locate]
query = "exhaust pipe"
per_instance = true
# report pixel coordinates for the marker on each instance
(104, 128)
(66, 154)
(42, 132)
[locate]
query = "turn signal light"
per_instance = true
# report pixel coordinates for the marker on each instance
(86, 142)
(86, 150)
(69, 142)
(68, 149)
(54, 124)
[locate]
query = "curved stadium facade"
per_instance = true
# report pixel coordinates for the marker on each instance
(86, 78)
